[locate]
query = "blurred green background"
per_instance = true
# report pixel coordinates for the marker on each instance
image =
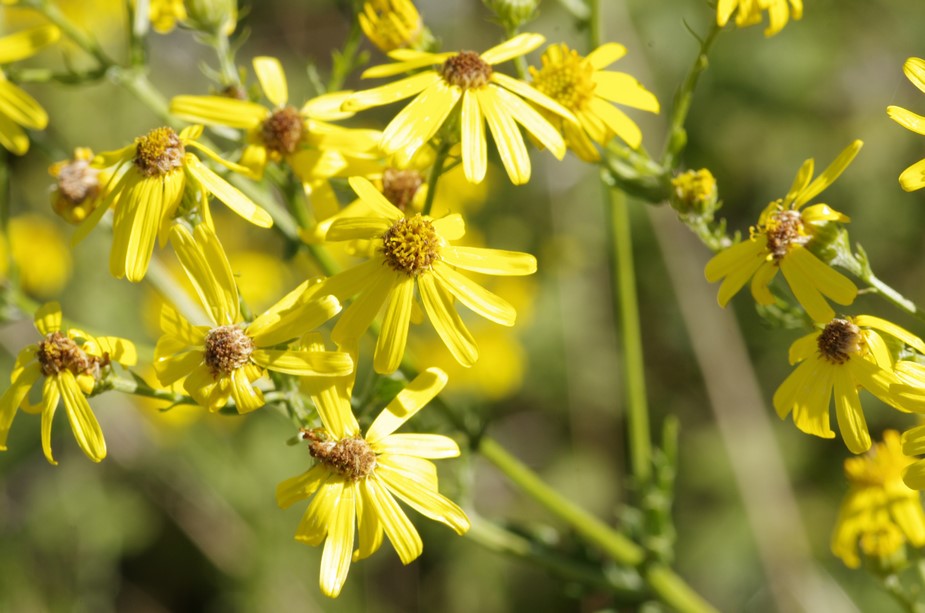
(181, 516)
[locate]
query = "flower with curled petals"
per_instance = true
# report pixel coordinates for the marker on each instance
(408, 252)
(357, 478)
(748, 13)
(466, 81)
(913, 177)
(18, 109)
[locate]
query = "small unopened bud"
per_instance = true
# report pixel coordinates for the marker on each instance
(212, 16)
(694, 192)
(513, 13)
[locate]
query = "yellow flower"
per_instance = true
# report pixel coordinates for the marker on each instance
(153, 176)
(880, 511)
(912, 178)
(224, 359)
(357, 478)
(695, 192)
(414, 251)
(779, 241)
(314, 148)
(40, 252)
(749, 13)
(393, 24)
(71, 363)
(17, 108)
(78, 186)
(164, 14)
(465, 80)
(582, 86)
(844, 356)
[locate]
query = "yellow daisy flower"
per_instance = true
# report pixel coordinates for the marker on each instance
(314, 148)
(224, 359)
(17, 108)
(749, 13)
(356, 479)
(582, 86)
(79, 186)
(912, 178)
(779, 241)
(839, 359)
(393, 24)
(71, 363)
(40, 251)
(152, 177)
(411, 252)
(880, 511)
(468, 81)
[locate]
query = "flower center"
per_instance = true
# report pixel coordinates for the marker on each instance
(784, 229)
(227, 349)
(158, 152)
(58, 353)
(839, 340)
(411, 245)
(352, 458)
(400, 186)
(282, 131)
(466, 70)
(566, 77)
(78, 181)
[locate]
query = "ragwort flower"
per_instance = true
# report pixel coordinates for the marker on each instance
(838, 360)
(357, 478)
(393, 24)
(880, 511)
(780, 241)
(749, 13)
(18, 109)
(467, 81)
(408, 252)
(582, 86)
(71, 362)
(314, 148)
(152, 177)
(224, 359)
(79, 186)
(913, 177)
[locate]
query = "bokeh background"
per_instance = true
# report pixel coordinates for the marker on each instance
(181, 516)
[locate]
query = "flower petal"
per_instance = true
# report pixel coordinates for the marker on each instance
(371, 196)
(22, 108)
(430, 446)
(13, 397)
(48, 318)
(20, 45)
(86, 428)
(272, 79)
(246, 397)
(304, 363)
(489, 261)
(227, 193)
(474, 296)
(913, 178)
(338, 548)
(624, 89)
(914, 69)
(50, 397)
(425, 501)
(533, 122)
(404, 538)
(531, 94)
(508, 139)
(301, 487)
(521, 44)
(219, 111)
(417, 123)
(605, 55)
(207, 267)
(421, 390)
(393, 335)
(850, 417)
(393, 92)
(446, 321)
(474, 145)
(829, 175)
(356, 318)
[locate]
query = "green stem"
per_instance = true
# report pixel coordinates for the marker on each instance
(594, 24)
(435, 173)
(137, 387)
(78, 36)
(346, 61)
(137, 83)
(627, 315)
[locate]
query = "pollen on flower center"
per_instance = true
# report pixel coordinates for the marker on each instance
(78, 181)
(282, 131)
(58, 353)
(400, 186)
(411, 245)
(159, 152)
(839, 340)
(568, 80)
(351, 458)
(784, 229)
(227, 349)
(467, 70)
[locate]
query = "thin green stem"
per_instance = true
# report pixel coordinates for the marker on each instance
(137, 387)
(594, 24)
(435, 173)
(627, 316)
(347, 60)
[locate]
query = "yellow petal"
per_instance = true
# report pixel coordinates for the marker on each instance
(474, 145)
(760, 282)
(870, 321)
(804, 347)
(802, 179)
(417, 123)
(119, 349)
(489, 261)
(227, 193)
(850, 417)
(530, 93)
(521, 44)
(317, 518)
(368, 526)
(19, 46)
(451, 228)
(393, 92)
(420, 61)
(605, 55)
(404, 538)
(50, 397)
(829, 175)
(171, 366)
(913, 178)
(406, 404)
(246, 397)
(393, 335)
(207, 267)
(12, 137)
(624, 89)
(219, 111)
(617, 122)
(356, 318)
(425, 501)
(914, 69)
(327, 107)
(301, 487)
(304, 363)
(135, 227)
(86, 428)
(272, 79)
(446, 321)
(354, 228)
(14, 396)
(507, 136)
(21, 107)
(338, 548)
(431, 446)
(474, 296)
(374, 198)
(533, 122)
(48, 318)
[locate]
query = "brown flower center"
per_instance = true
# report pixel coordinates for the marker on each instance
(411, 245)
(839, 340)
(78, 181)
(351, 458)
(159, 152)
(784, 229)
(400, 186)
(282, 131)
(227, 349)
(57, 353)
(466, 70)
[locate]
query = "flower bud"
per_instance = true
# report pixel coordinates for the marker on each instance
(513, 13)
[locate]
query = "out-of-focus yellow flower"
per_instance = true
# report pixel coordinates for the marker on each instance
(393, 24)
(78, 187)
(357, 478)
(912, 178)
(694, 191)
(41, 255)
(18, 109)
(880, 511)
(154, 175)
(224, 359)
(203, 15)
(71, 363)
(415, 251)
(314, 148)
(581, 85)
(164, 14)
(466, 80)
(749, 13)
(780, 241)
(838, 360)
